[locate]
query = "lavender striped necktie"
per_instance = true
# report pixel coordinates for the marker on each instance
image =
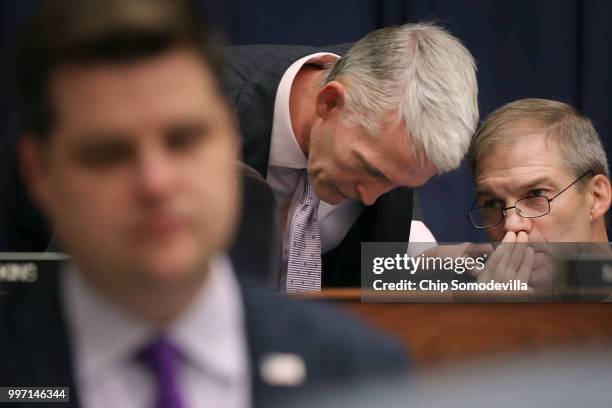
(162, 358)
(304, 263)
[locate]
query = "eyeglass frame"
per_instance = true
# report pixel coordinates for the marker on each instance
(503, 210)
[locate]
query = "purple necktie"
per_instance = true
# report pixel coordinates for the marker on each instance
(304, 263)
(162, 358)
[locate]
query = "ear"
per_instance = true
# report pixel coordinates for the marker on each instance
(330, 99)
(32, 165)
(601, 194)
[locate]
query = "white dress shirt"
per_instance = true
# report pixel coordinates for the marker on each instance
(286, 158)
(105, 340)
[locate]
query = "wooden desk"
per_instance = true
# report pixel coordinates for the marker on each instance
(436, 333)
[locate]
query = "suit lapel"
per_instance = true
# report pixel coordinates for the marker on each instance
(261, 334)
(255, 109)
(40, 335)
(273, 331)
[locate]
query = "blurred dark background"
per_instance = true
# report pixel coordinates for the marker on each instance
(555, 49)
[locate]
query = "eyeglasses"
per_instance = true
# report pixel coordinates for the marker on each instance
(527, 207)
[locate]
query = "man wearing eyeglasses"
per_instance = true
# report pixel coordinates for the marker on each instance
(541, 176)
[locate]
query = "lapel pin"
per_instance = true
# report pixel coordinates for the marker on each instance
(282, 369)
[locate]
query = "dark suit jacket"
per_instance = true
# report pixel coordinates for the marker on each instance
(22, 226)
(253, 77)
(35, 345)
(254, 74)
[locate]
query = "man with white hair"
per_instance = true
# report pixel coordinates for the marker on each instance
(340, 139)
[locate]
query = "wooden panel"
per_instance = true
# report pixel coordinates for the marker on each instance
(438, 333)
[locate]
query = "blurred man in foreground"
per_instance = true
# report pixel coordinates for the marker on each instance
(541, 176)
(129, 148)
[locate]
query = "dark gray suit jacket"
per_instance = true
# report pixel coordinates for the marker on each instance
(35, 345)
(253, 76)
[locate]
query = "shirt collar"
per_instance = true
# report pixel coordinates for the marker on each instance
(284, 149)
(210, 334)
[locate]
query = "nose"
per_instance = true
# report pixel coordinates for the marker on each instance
(515, 223)
(155, 173)
(370, 193)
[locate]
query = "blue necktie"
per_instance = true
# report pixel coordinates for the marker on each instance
(304, 262)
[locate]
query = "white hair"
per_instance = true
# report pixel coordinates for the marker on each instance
(424, 73)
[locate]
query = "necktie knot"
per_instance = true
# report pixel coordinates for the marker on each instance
(162, 358)
(309, 196)
(160, 354)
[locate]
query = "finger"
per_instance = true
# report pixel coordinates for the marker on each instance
(498, 274)
(501, 249)
(509, 237)
(509, 242)
(486, 273)
(524, 272)
(518, 255)
(522, 237)
(499, 255)
(500, 262)
(516, 259)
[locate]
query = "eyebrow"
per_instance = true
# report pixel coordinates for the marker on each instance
(96, 139)
(535, 182)
(525, 186)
